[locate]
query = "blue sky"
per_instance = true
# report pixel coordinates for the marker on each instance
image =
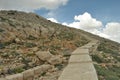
(103, 10)
(100, 17)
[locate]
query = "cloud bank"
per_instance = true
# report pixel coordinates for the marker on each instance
(86, 22)
(31, 5)
(113, 30)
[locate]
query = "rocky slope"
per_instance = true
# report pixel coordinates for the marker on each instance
(28, 40)
(25, 36)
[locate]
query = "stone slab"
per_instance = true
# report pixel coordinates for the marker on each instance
(83, 71)
(28, 74)
(15, 77)
(89, 45)
(80, 51)
(86, 46)
(37, 71)
(80, 59)
(92, 43)
(3, 79)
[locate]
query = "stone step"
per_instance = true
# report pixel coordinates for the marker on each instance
(89, 45)
(92, 43)
(83, 71)
(86, 47)
(80, 51)
(80, 58)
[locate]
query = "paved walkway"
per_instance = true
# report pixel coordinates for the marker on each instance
(80, 65)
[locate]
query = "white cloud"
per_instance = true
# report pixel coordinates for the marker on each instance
(64, 23)
(85, 22)
(113, 30)
(53, 20)
(100, 33)
(88, 23)
(31, 5)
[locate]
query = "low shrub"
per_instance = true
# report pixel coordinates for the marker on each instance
(31, 37)
(30, 45)
(108, 74)
(18, 70)
(1, 30)
(2, 46)
(96, 58)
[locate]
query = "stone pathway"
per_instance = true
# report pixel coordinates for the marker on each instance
(80, 65)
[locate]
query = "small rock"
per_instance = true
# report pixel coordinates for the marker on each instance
(64, 60)
(17, 40)
(35, 48)
(46, 67)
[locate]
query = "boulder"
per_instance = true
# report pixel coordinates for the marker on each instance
(55, 60)
(44, 55)
(46, 67)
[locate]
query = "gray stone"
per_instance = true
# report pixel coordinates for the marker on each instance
(55, 60)
(44, 55)
(46, 67)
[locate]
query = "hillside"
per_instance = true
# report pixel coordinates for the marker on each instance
(23, 35)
